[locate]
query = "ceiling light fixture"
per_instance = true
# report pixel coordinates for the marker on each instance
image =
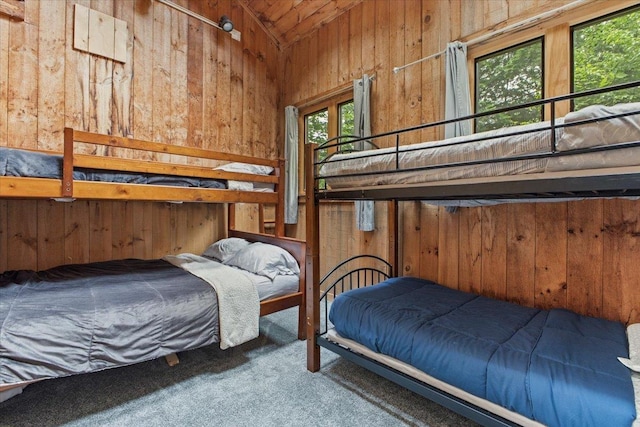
(224, 24)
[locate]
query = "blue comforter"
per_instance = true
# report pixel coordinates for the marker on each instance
(556, 366)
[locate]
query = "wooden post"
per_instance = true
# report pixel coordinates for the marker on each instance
(67, 164)
(231, 217)
(172, 359)
(279, 230)
(261, 229)
(312, 264)
(392, 227)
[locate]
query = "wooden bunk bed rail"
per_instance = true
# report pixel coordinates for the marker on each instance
(72, 160)
(65, 188)
(298, 249)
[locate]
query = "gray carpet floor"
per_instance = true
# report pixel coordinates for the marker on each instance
(261, 383)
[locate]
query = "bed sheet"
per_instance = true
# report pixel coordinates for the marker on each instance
(555, 367)
(283, 284)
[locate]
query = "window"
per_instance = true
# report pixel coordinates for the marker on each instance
(507, 78)
(606, 52)
(323, 121)
(347, 124)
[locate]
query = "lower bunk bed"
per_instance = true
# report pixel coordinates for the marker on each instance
(84, 318)
(492, 361)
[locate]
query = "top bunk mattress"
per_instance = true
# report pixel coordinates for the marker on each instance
(23, 163)
(517, 150)
(555, 367)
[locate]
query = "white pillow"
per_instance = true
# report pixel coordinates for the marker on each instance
(246, 168)
(265, 260)
(224, 249)
(240, 185)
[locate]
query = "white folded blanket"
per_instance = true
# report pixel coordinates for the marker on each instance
(238, 301)
(633, 363)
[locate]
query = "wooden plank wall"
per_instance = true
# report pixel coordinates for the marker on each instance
(184, 83)
(580, 255)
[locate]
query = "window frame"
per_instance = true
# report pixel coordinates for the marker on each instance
(332, 105)
(557, 34)
(577, 26)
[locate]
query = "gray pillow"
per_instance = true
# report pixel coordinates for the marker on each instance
(265, 260)
(224, 249)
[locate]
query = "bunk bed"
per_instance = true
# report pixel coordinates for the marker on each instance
(494, 362)
(81, 318)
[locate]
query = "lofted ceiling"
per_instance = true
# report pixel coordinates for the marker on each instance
(288, 21)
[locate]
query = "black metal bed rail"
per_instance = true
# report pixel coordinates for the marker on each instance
(552, 127)
(540, 102)
(355, 277)
(456, 404)
(533, 156)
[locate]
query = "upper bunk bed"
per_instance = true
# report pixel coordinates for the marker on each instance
(592, 152)
(151, 171)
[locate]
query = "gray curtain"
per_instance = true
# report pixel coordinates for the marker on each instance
(365, 220)
(458, 94)
(291, 165)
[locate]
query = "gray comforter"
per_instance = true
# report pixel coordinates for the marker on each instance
(22, 163)
(82, 318)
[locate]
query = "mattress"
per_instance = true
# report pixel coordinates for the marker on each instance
(83, 318)
(23, 163)
(555, 367)
(491, 150)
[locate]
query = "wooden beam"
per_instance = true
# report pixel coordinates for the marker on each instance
(172, 359)
(312, 264)
(12, 8)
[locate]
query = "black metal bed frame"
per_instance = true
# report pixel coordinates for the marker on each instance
(362, 276)
(551, 185)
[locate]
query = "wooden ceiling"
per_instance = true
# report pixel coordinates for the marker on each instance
(288, 21)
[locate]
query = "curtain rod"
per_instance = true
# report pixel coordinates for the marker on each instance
(235, 34)
(515, 26)
(344, 88)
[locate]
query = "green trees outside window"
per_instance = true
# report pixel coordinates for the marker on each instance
(507, 78)
(604, 52)
(607, 52)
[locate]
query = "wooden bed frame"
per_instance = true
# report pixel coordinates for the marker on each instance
(298, 249)
(68, 189)
(595, 183)
(296, 299)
